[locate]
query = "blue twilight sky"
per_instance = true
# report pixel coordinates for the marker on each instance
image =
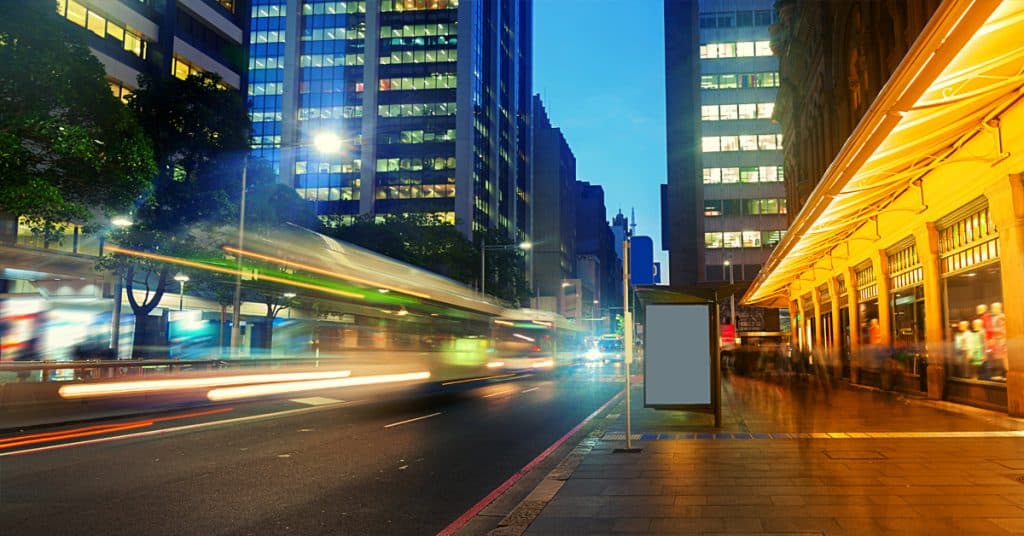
(599, 66)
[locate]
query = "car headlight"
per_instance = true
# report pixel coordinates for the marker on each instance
(593, 354)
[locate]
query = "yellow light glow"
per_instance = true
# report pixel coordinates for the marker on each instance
(212, 268)
(93, 390)
(314, 269)
(495, 364)
(249, 391)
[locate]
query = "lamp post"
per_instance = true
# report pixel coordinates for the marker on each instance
(732, 297)
(115, 318)
(326, 143)
(288, 296)
(484, 248)
(181, 279)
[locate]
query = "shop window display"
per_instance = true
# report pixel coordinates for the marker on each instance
(976, 325)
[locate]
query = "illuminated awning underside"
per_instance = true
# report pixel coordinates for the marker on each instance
(965, 68)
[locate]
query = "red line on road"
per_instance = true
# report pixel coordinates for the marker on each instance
(483, 503)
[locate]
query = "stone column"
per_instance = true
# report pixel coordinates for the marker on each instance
(852, 307)
(880, 264)
(818, 348)
(1006, 205)
(837, 330)
(927, 242)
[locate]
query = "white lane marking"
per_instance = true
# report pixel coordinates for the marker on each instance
(407, 421)
(530, 389)
(169, 430)
(506, 391)
(316, 401)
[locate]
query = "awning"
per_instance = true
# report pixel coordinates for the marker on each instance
(965, 68)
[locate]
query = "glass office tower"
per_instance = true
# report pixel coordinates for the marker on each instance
(430, 96)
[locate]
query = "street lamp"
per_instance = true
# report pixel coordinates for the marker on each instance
(288, 297)
(732, 297)
(325, 142)
(181, 279)
(484, 248)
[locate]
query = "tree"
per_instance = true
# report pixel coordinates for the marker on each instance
(270, 203)
(506, 267)
(68, 147)
(199, 132)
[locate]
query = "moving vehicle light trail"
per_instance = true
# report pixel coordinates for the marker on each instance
(91, 390)
(248, 391)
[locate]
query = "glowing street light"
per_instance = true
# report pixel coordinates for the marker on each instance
(181, 279)
(327, 142)
(121, 221)
(484, 248)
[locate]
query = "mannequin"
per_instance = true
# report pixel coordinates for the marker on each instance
(997, 340)
(976, 349)
(961, 343)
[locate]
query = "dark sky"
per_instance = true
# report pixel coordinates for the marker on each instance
(599, 66)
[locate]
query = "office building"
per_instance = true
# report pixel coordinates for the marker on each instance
(725, 201)
(595, 252)
(553, 207)
(904, 262)
(431, 97)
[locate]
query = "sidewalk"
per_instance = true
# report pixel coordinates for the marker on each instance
(795, 457)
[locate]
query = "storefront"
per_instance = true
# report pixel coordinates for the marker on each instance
(906, 306)
(920, 215)
(973, 312)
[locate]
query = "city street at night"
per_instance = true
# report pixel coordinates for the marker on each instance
(407, 466)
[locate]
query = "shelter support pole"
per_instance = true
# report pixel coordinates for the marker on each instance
(852, 307)
(926, 239)
(818, 341)
(1006, 205)
(835, 354)
(880, 265)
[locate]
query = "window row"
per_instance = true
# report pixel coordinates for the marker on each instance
(742, 49)
(266, 88)
(729, 112)
(737, 19)
(303, 167)
(743, 142)
(81, 15)
(421, 191)
(417, 5)
(419, 30)
(739, 80)
(743, 207)
(345, 193)
(437, 163)
(267, 36)
(330, 60)
(442, 55)
(742, 239)
(418, 136)
(733, 175)
(434, 81)
(271, 62)
(330, 112)
(266, 140)
(260, 117)
(416, 110)
(432, 41)
(332, 8)
(259, 12)
(330, 34)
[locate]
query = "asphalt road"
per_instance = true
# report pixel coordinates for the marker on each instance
(355, 468)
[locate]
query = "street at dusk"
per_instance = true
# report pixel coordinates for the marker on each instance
(506, 267)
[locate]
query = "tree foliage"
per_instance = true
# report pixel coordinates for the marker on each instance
(68, 147)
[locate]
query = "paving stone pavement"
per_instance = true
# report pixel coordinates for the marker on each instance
(960, 473)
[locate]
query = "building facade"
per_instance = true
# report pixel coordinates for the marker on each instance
(553, 207)
(726, 162)
(432, 99)
(595, 252)
(902, 269)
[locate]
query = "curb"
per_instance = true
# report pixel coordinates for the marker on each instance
(523, 514)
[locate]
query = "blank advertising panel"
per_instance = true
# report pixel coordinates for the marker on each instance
(677, 354)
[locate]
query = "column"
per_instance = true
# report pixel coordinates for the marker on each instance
(880, 265)
(802, 315)
(927, 241)
(794, 326)
(818, 348)
(1006, 205)
(851, 306)
(837, 331)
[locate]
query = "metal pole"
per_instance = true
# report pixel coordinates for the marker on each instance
(181, 295)
(115, 321)
(732, 300)
(628, 335)
(483, 267)
(237, 304)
